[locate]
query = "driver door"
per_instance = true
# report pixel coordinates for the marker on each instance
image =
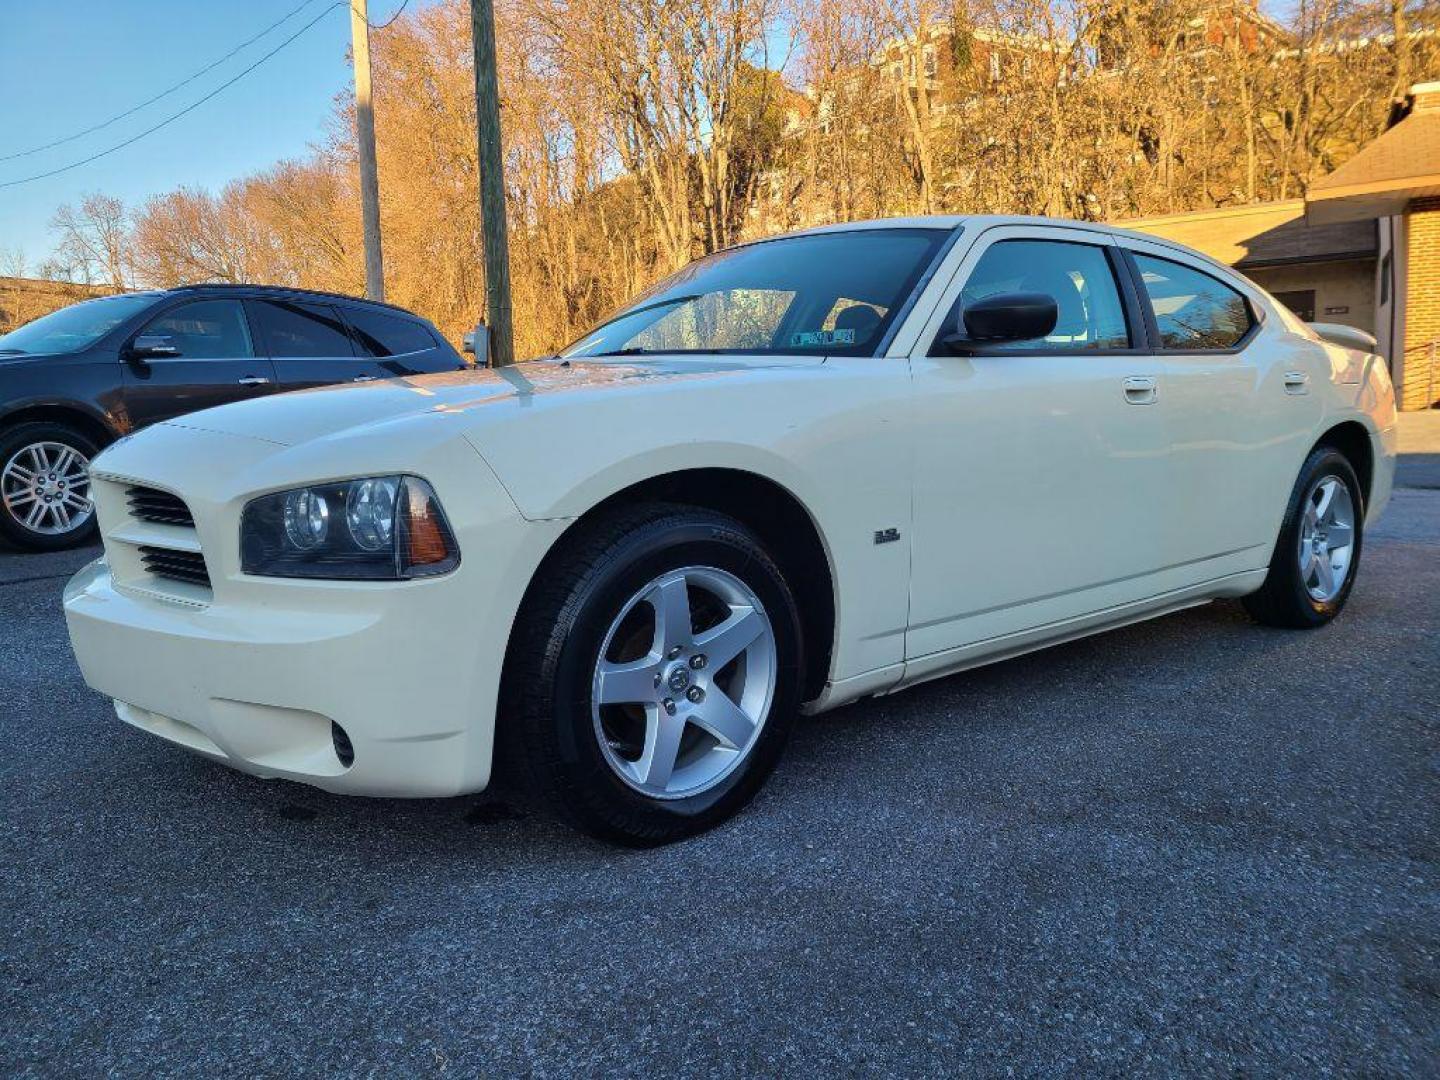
(1040, 466)
(214, 363)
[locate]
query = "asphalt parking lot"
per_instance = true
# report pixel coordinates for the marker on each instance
(1195, 846)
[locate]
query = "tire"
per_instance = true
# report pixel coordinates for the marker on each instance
(583, 742)
(1292, 595)
(26, 520)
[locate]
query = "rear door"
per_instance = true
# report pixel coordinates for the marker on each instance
(1239, 413)
(308, 343)
(215, 363)
(396, 344)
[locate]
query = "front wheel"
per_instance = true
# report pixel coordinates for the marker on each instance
(1313, 568)
(45, 486)
(651, 683)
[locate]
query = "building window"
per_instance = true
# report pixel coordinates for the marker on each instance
(1300, 301)
(930, 61)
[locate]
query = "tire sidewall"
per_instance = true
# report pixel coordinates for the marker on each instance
(647, 555)
(22, 435)
(1325, 461)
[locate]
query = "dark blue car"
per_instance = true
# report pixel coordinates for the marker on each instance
(81, 377)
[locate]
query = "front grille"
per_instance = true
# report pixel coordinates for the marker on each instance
(188, 566)
(160, 507)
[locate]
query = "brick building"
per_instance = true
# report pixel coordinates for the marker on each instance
(1395, 182)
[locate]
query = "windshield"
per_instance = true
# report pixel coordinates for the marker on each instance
(826, 293)
(75, 327)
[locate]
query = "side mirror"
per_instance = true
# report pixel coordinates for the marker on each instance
(1004, 317)
(147, 346)
(477, 343)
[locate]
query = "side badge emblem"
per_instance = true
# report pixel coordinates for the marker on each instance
(886, 536)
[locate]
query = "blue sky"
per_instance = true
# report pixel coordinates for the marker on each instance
(68, 64)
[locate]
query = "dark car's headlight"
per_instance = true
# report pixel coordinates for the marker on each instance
(377, 528)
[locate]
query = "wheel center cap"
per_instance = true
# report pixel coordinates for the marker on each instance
(678, 679)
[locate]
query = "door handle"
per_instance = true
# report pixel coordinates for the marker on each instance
(1297, 382)
(1140, 389)
(363, 378)
(254, 380)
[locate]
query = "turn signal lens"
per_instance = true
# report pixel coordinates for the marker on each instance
(425, 530)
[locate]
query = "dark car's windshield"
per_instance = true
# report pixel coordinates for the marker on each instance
(75, 327)
(826, 293)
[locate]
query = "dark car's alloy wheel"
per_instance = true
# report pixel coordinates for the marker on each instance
(45, 486)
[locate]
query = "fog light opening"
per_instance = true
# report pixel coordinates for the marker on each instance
(343, 750)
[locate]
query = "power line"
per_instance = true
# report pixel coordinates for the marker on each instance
(167, 92)
(176, 116)
(398, 12)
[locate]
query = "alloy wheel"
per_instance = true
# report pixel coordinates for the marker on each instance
(1327, 538)
(684, 682)
(46, 488)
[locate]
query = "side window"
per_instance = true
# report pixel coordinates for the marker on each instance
(292, 328)
(1076, 276)
(205, 330)
(379, 334)
(1192, 309)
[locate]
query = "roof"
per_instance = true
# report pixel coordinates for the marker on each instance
(285, 290)
(1264, 234)
(981, 222)
(1402, 164)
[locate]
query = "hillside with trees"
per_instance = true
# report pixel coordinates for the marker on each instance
(642, 134)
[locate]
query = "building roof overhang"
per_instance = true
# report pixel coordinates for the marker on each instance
(1403, 163)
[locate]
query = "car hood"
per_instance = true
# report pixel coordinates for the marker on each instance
(461, 396)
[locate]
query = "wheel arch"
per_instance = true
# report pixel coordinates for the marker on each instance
(784, 524)
(82, 420)
(1352, 438)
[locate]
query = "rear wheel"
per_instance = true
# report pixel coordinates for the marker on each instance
(45, 486)
(651, 682)
(1313, 568)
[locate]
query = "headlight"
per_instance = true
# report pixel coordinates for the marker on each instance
(377, 528)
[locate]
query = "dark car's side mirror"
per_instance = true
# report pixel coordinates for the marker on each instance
(477, 343)
(1021, 316)
(150, 346)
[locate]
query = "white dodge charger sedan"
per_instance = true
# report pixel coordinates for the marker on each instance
(796, 473)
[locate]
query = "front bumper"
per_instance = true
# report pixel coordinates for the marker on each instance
(260, 689)
(260, 673)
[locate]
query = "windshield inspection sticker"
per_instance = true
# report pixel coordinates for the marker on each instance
(812, 338)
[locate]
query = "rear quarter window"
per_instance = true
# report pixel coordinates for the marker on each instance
(1193, 311)
(379, 334)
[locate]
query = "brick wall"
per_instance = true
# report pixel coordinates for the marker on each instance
(1422, 301)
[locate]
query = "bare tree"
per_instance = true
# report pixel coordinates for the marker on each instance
(94, 246)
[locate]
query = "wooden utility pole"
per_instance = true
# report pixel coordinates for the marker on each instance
(493, 232)
(365, 138)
